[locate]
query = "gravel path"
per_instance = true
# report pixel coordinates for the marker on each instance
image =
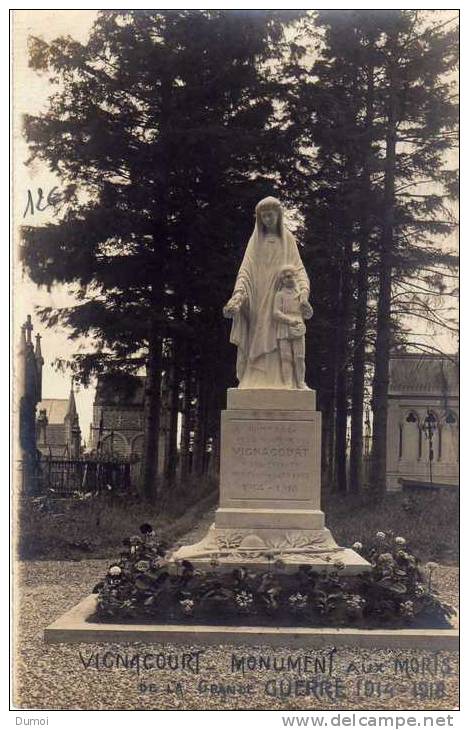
(55, 677)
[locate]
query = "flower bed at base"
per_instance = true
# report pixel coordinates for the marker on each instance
(143, 586)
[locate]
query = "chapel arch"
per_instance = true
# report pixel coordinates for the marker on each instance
(449, 438)
(115, 445)
(137, 445)
(410, 444)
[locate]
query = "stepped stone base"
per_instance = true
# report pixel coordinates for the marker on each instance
(78, 626)
(270, 486)
(267, 547)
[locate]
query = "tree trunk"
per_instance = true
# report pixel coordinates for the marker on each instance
(342, 369)
(215, 459)
(152, 405)
(327, 399)
(327, 450)
(172, 444)
(200, 441)
(383, 335)
(360, 330)
(186, 425)
(344, 310)
(340, 440)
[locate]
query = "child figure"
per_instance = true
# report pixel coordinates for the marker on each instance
(290, 313)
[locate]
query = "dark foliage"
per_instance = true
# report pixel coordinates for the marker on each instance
(144, 585)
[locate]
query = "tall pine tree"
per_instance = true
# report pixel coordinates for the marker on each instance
(163, 133)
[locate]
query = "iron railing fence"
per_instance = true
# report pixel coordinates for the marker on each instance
(63, 477)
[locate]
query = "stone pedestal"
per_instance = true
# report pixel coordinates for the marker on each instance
(270, 486)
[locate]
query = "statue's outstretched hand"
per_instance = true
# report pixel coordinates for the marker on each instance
(233, 306)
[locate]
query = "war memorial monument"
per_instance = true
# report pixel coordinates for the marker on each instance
(269, 521)
(270, 464)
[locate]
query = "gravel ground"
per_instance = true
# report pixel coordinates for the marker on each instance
(55, 677)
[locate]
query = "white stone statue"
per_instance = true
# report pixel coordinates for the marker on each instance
(290, 313)
(255, 327)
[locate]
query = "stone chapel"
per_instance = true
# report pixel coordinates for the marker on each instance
(117, 428)
(423, 421)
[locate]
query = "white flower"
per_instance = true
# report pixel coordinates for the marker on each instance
(142, 566)
(355, 601)
(380, 536)
(431, 566)
(244, 599)
(385, 558)
(400, 540)
(407, 608)
(357, 546)
(187, 606)
(114, 570)
(298, 600)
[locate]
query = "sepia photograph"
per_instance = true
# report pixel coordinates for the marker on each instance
(235, 361)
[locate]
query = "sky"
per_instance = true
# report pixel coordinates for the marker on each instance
(30, 94)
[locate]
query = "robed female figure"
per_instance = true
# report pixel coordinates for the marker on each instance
(254, 331)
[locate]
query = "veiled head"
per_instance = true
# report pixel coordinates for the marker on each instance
(269, 216)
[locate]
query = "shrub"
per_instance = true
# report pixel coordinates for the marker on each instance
(431, 518)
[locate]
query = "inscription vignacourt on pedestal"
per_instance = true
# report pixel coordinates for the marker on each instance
(268, 459)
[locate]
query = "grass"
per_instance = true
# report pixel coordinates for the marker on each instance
(95, 527)
(428, 520)
(67, 529)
